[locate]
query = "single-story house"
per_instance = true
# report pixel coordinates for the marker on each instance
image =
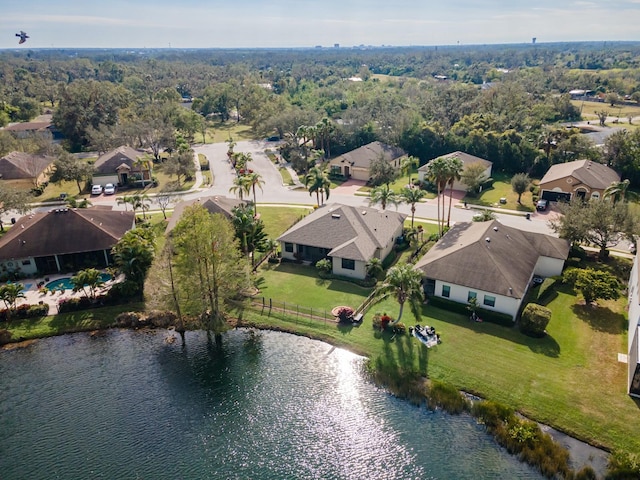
(26, 166)
(215, 204)
(63, 240)
(490, 262)
(122, 166)
(348, 236)
(583, 178)
(633, 355)
(355, 164)
(466, 160)
(40, 126)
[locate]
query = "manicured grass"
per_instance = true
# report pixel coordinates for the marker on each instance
(68, 322)
(277, 220)
(286, 176)
(221, 131)
(298, 284)
(501, 188)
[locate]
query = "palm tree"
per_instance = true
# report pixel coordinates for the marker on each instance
(240, 187)
(252, 180)
(124, 200)
(454, 172)
(405, 284)
(407, 165)
(325, 128)
(436, 172)
(374, 267)
(411, 196)
(9, 294)
(617, 190)
(384, 196)
(88, 281)
(232, 144)
(140, 202)
(317, 181)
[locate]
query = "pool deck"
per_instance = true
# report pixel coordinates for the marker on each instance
(34, 297)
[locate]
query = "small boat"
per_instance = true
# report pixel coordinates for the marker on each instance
(427, 335)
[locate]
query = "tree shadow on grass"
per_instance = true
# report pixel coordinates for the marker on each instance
(601, 319)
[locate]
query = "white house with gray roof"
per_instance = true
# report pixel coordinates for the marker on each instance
(633, 356)
(466, 160)
(348, 236)
(491, 262)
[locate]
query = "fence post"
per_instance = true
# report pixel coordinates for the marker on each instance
(270, 306)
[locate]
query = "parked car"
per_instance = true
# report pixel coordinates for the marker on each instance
(542, 205)
(96, 189)
(109, 189)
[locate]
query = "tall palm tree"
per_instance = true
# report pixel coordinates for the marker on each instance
(240, 187)
(87, 281)
(140, 202)
(405, 284)
(436, 172)
(617, 190)
(411, 196)
(253, 180)
(454, 172)
(317, 181)
(407, 165)
(10, 293)
(384, 196)
(124, 200)
(325, 128)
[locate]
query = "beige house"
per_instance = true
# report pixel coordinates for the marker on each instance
(582, 178)
(123, 166)
(490, 262)
(355, 164)
(466, 160)
(25, 166)
(348, 236)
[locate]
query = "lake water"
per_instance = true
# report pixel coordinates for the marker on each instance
(267, 405)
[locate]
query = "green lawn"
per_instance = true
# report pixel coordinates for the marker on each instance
(277, 220)
(221, 131)
(501, 188)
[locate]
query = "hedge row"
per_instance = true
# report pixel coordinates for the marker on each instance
(25, 311)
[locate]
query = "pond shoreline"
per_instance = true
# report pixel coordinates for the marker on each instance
(581, 453)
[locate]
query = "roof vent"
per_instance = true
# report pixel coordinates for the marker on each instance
(487, 239)
(364, 212)
(335, 215)
(510, 290)
(495, 229)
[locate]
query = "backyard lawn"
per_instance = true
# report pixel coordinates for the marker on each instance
(501, 188)
(277, 220)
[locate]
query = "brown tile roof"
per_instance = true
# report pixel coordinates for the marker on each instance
(109, 162)
(490, 256)
(215, 204)
(591, 174)
(17, 165)
(362, 157)
(465, 158)
(349, 232)
(64, 231)
(28, 126)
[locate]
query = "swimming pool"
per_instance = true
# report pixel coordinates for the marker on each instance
(65, 282)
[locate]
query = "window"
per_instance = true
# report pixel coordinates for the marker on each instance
(489, 301)
(348, 264)
(288, 247)
(446, 291)
(471, 295)
(26, 262)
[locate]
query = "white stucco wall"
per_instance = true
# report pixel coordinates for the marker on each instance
(633, 300)
(548, 267)
(360, 270)
(12, 264)
(459, 293)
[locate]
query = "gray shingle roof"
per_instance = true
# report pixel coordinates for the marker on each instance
(490, 256)
(64, 231)
(362, 157)
(215, 204)
(465, 158)
(591, 174)
(348, 232)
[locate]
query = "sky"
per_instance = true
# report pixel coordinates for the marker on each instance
(307, 23)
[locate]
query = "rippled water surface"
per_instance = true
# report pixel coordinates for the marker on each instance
(127, 405)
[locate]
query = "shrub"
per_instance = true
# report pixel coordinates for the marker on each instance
(447, 397)
(324, 265)
(534, 320)
(41, 310)
(5, 336)
(345, 314)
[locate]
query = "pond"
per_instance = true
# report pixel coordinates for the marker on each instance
(263, 405)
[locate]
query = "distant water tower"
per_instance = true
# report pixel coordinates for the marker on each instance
(533, 40)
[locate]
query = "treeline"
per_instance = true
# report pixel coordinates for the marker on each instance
(490, 101)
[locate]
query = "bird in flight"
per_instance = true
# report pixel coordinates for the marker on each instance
(23, 37)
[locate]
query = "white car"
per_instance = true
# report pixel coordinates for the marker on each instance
(96, 190)
(109, 189)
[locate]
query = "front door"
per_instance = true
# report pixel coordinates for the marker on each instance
(346, 172)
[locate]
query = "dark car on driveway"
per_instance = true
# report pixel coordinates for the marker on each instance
(542, 205)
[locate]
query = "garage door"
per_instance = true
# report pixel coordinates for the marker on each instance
(555, 196)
